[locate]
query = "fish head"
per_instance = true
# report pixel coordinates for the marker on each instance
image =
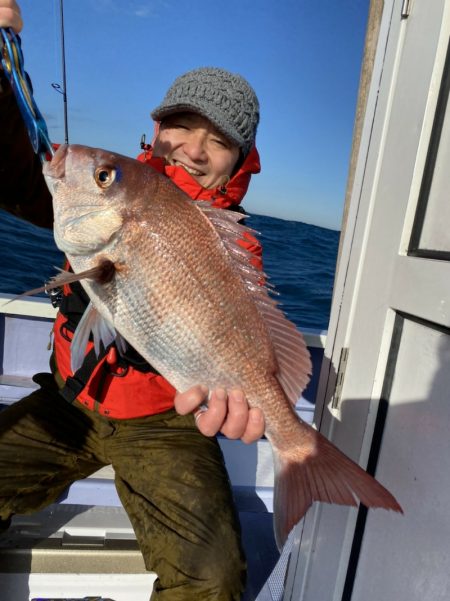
(93, 191)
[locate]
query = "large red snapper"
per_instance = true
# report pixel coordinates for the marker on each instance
(167, 274)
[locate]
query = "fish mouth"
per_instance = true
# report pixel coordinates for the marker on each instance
(55, 169)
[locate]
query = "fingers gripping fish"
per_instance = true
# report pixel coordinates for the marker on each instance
(167, 274)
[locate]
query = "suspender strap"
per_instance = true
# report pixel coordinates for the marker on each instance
(75, 384)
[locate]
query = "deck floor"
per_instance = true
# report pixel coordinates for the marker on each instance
(40, 543)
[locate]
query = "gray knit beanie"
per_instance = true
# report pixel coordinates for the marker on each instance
(225, 98)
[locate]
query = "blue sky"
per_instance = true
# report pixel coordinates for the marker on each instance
(303, 57)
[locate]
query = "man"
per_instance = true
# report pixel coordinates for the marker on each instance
(170, 477)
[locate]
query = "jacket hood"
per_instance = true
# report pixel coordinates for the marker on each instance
(223, 196)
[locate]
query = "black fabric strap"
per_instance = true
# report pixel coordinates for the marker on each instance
(72, 306)
(75, 384)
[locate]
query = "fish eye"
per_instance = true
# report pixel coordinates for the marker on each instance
(104, 176)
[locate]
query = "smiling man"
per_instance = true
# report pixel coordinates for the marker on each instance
(191, 141)
(171, 478)
(208, 121)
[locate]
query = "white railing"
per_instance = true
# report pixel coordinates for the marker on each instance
(41, 307)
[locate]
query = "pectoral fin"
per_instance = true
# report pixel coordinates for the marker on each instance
(102, 331)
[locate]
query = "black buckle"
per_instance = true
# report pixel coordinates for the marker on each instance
(55, 295)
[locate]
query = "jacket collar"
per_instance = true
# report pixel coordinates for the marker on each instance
(222, 197)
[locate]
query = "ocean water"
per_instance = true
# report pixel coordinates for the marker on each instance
(299, 259)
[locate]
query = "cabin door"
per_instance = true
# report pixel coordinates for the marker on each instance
(389, 336)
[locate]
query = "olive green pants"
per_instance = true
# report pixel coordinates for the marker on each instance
(170, 478)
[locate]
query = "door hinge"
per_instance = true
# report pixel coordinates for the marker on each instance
(406, 9)
(340, 378)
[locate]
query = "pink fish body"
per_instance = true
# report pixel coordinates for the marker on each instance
(186, 297)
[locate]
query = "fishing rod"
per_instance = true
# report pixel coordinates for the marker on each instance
(56, 86)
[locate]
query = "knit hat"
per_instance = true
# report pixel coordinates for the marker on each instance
(225, 98)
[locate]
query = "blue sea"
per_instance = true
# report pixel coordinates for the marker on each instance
(300, 260)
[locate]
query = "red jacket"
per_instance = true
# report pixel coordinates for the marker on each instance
(125, 393)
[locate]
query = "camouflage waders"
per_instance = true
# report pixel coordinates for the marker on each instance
(170, 478)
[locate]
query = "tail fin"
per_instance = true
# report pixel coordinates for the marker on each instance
(327, 475)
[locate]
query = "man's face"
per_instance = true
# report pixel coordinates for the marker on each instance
(191, 141)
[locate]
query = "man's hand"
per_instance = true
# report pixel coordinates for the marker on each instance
(10, 15)
(227, 412)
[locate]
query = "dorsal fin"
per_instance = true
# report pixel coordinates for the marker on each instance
(294, 362)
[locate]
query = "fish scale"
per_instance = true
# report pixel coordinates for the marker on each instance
(191, 324)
